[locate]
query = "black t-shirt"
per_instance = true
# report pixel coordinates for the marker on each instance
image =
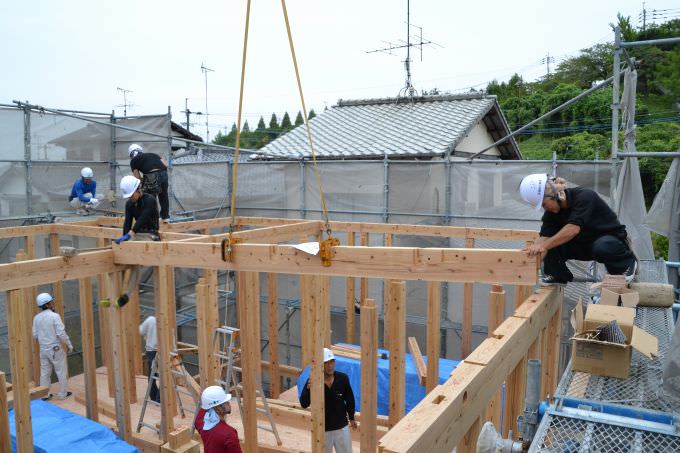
(147, 163)
(339, 400)
(145, 214)
(588, 211)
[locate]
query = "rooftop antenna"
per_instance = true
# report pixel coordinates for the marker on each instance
(125, 104)
(205, 71)
(408, 89)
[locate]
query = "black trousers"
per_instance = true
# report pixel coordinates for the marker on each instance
(155, 393)
(163, 197)
(612, 251)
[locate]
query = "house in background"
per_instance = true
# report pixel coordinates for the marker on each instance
(428, 127)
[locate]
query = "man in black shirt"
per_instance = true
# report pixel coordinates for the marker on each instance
(577, 224)
(339, 405)
(143, 209)
(153, 171)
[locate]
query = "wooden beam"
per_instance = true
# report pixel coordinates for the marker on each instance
(430, 264)
(273, 334)
(414, 349)
(434, 300)
(397, 314)
(248, 296)
(496, 317)
(31, 273)
(5, 444)
(57, 291)
(119, 362)
(31, 230)
(88, 347)
(33, 393)
(369, 376)
(349, 300)
(468, 295)
(22, 402)
(165, 344)
(443, 417)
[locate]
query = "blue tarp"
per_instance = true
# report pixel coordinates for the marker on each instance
(414, 391)
(57, 430)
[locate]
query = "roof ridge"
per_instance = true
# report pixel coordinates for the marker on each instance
(416, 99)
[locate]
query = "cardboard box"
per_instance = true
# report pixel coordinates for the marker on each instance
(619, 297)
(602, 357)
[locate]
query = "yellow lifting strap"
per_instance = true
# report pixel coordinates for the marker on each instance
(324, 245)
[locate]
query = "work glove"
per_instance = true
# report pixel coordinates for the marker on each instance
(123, 238)
(70, 348)
(94, 201)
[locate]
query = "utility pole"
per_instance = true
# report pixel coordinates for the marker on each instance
(188, 112)
(547, 60)
(205, 71)
(644, 17)
(125, 104)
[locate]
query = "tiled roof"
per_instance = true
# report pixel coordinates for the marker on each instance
(425, 126)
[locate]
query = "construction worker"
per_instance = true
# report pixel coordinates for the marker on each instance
(83, 193)
(142, 208)
(216, 434)
(48, 329)
(577, 224)
(147, 329)
(339, 405)
(152, 169)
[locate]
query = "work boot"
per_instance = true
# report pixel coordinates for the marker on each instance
(631, 272)
(47, 398)
(549, 280)
(122, 300)
(65, 396)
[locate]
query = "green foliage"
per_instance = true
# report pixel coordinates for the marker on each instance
(298, 119)
(311, 114)
(285, 122)
(660, 244)
(260, 125)
(582, 146)
(592, 65)
(273, 122)
(262, 135)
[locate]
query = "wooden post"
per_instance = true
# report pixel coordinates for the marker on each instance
(468, 295)
(203, 333)
(57, 291)
(552, 340)
(434, 300)
(515, 387)
(104, 333)
(305, 322)
(248, 293)
(18, 324)
(119, 361)
(135, 347)
(172, 323)
(29, 308)
(369, 370)
(5, 444)
(469, 441)
(349, 299)
(31, 293)
(326, 310)
(363, 291)
(397, 314)
(496, 317)
(88, 346)
(273, 335)
(212, 319)
(164, 334)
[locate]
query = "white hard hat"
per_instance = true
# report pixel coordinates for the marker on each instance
(214, 396)
(128, 185)
(43, 298)
(86, 172)
(327, 355)
(532, 189)
(134, 148)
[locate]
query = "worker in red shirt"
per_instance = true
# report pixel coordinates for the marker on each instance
(217, 436)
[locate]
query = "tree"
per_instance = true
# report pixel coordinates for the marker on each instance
(246, 128)
(298, 119)
(285, 122)
(311, 115)
(260, 125)
(592, 65)
(273, 122)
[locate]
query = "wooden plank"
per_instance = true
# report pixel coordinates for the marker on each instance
(284, 370)
(22, 409)
(33, 393)
(443, 417)
(248, 296)
(397, 314)
(429, 264)
(369, 375)
(57, 291)
(48, 270)
(273, 334)
(119, 362)
(164, 334)
(434, 300)
(88, 347)
(5, 444)
(349, 300)
(468, 295)
(496, 317)
(414, 349)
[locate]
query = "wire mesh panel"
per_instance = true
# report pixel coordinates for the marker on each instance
(566, 435)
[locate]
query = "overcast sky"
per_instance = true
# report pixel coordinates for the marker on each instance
(74, 54)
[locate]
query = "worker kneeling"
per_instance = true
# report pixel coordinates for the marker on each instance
(577, 224)
(217, 436)
(48, 329)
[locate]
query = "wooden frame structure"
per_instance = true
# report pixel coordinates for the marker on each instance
(449, 416)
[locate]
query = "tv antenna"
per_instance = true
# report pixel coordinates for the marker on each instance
(205, 71)
(408, 89)
(125, 104)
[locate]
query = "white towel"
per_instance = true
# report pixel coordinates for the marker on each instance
(210, 419)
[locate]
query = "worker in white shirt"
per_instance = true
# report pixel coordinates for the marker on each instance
(147, 329)
(48, 329)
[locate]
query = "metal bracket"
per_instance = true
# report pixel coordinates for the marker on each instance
(227, 247)
(325, 248)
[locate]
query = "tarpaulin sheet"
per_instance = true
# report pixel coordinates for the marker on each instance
(414, 391)
(58, 430)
